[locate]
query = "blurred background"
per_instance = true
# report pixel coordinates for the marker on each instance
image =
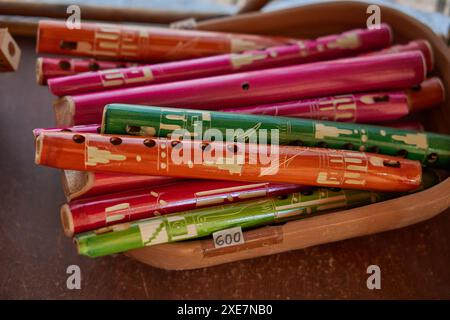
(225, 7)
(16, 14)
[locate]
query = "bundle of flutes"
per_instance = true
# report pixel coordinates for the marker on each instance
(166, 135)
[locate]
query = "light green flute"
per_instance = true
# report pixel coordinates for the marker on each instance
(203, 222)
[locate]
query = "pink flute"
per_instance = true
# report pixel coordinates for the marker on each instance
(422, 45)
(329, 47)
(361, 108)
(95, 213)
(47, 68)
(391, 71)
(85, 184)
(365, 108)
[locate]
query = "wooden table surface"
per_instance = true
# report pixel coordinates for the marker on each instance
(414, 261)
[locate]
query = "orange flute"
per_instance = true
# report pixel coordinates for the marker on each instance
(227, 161)
(135, 43)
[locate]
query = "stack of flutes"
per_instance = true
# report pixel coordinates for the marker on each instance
(166, 135)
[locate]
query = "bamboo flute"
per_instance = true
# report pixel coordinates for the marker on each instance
(135, 43)
(390, 71)
(48, 68)
(99, 212)
(227, 161)
(324, 48)
(86, 184)
(203, 222)
(96, 128)
(422, 45)
(381, 107)
(361, 108)
(429, 148)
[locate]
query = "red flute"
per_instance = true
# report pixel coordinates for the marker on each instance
(47, 68)
(135, 43)
(422, 45)
(363, 108)
(391, 71)
(227, 161)
(324, 48)
(85, 184)
(90, 214)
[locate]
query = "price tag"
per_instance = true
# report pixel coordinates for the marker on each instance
(228, 237)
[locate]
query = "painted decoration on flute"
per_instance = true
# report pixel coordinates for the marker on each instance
(366, 107)
(324, 48)
(139, 43)
(361, 108)
(99, 212)
(429, 148)
(384, 72)
(227, 161)
(203, 222)
(48, 68)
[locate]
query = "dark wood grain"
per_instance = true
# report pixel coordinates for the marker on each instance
(414, 261)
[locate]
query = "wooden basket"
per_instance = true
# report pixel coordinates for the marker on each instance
(308, 22)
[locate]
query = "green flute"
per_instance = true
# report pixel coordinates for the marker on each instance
(203, 222)
(430, 148)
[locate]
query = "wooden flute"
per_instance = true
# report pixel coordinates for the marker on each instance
(85, 184)
(369, 107)
(390, 71)
(99, 212)
(136, 43)
(324, 48)
(97, 128)
(203, 222)
(223, 64)
(422, 45)
(227, 161)
(429, 148)
(48, 68)
(83, 128)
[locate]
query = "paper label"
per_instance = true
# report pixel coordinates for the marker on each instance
(228, 237)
